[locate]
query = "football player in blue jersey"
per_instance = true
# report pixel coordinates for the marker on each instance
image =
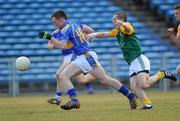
(68, 57)
(86, 60)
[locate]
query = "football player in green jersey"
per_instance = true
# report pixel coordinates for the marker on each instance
(133, 54)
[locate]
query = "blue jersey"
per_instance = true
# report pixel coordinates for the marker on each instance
(72, 32)
(58, 36)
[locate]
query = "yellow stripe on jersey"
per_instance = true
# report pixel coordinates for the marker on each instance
(114, 32)
(178, 32)
(67, 26)
(69, 45)
(125, 31)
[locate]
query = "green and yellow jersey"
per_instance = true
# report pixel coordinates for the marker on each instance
(128, 41)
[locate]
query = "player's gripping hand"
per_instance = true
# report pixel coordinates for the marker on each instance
(170, 32)
(45, 35)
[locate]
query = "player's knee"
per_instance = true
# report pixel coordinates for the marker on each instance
(59, 76)
(62, 76)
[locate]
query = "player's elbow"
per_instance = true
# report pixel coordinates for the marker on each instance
(50, 47)
(91, 30)
(87, 29)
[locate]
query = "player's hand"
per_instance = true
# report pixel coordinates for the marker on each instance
(170, 32)
(45, 35)
(118, 23)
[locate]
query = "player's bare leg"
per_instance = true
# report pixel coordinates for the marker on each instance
(153, 79)
(70, 71)
(59, 86)
(138, 83)
(143, 80)
(100, 74)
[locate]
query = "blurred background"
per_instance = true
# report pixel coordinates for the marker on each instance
(22, 20)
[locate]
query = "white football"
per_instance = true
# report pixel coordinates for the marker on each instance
(22, 63)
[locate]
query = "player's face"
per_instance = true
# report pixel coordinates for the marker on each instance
(177, 14)
(58, 22)
(116, 21)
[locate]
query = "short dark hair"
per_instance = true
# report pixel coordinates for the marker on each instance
(177, 6)
(121, 15)
(59, 14)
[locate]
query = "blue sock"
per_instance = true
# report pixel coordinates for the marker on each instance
(88, 85)
(74, 100)
(72, 95)
(125, 91)
(59, 93)
(130, 96)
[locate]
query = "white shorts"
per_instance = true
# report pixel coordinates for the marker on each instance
(68, 58)
(140, 64)
(87, 62)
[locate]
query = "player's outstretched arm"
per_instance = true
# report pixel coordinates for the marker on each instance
(56, 43)
(99, 35)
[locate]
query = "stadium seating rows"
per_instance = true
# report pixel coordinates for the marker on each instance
(22, 20)
(165, 7)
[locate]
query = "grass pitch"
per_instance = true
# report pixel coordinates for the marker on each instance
(97, 107)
